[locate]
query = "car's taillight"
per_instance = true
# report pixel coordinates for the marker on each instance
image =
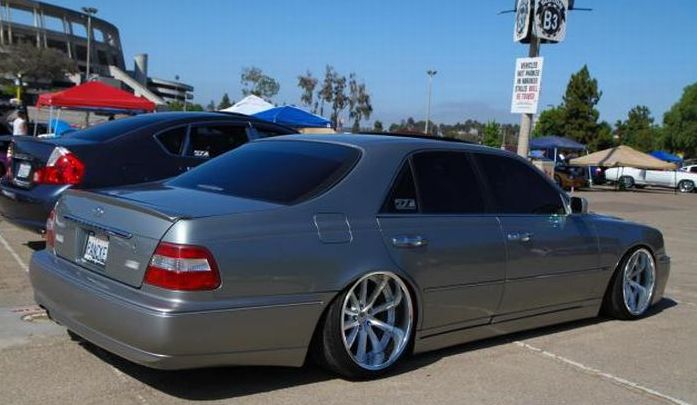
(182, 267)
(63, 167)
(50, 234)
(10, 152)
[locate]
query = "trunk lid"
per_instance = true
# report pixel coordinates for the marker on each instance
(107, 235)
(186, 202)
(30, 154)
(121, 228)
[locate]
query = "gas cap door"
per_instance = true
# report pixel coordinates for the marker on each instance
(333, 228)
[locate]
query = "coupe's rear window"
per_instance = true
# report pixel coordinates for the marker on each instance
(284, 172)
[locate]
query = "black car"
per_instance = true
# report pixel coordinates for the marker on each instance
(127, 151)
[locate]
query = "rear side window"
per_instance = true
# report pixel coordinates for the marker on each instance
(173, 140)
(210, 141)
(283, 172)
(693, 169)
(402, 198)
(518, 188)
(447, 184)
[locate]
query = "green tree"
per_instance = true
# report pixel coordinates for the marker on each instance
(377, 126)
(492, 136)
(211, 106)
(550, 122)
(256, 82)
(604, 139)
(29, 63)
(325, 94)
(224, 102)
(307, 84)
(360, 106)
(179, 106)
(35, 63)
(680, 124)
(638, 130)
(580, 115)
(339, 99)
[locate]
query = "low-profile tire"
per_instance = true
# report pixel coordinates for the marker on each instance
(632, 286)
(368, 328)
(626, 182)
(686, 186)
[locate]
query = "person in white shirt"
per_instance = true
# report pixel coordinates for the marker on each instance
(19, 125)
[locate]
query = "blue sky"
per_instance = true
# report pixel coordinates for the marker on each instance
(641, 51)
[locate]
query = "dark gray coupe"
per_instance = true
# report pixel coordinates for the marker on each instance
(357, 249)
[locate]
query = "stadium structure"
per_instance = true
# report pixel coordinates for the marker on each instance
(50, 26)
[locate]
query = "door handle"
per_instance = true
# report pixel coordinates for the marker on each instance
(409, 241)
(520, 237)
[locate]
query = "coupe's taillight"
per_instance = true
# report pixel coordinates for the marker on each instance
(182, 267)
(50, 234)
(63, 167)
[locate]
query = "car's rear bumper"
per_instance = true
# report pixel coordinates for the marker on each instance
(28, 208)
(147, 330)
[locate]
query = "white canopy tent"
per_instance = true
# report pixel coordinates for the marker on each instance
(249, 105)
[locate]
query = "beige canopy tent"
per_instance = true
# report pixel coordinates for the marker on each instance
(622, 156)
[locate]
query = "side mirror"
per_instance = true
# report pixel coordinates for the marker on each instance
(579, 205)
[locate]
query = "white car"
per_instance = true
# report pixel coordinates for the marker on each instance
(684, 179)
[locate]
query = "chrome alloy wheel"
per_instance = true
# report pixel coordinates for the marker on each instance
(377, 320)
(639, 280)
(686, 186)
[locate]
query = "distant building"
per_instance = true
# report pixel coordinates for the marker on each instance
(55, 27)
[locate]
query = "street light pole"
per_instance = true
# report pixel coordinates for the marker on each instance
(430, 74)
(176, 77)
(90, 11)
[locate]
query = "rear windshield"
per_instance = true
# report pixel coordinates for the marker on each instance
(282, 172)
(111, 129)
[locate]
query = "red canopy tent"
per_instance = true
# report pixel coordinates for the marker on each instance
(95, 96)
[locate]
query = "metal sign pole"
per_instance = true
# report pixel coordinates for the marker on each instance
(526, 119)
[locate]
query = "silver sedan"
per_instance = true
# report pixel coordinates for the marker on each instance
(357, 249)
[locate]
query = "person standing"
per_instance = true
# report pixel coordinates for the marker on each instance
(20, 124)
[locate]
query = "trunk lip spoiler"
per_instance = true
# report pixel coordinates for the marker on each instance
(125, 203)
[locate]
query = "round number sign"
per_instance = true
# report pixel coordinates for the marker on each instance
(550, 19)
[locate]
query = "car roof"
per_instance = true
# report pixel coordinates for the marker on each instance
(388, 141)
(186, 115)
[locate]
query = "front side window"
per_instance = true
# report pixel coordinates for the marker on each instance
(518, 188)
(210, 141)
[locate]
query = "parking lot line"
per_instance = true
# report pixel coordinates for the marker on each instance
(14, 254)
(607, 376)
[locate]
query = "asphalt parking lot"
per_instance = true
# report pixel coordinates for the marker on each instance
(653, 360)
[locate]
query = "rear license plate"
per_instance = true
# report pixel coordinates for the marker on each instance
(23, 170)
(96, 249)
